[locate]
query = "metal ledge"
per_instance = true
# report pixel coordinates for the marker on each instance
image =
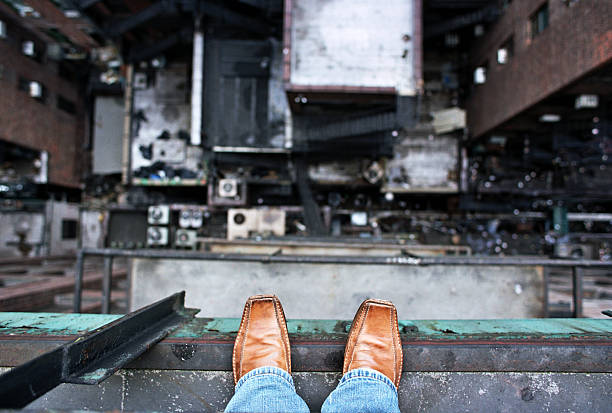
(534, 345)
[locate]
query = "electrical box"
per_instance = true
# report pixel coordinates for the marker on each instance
(242, 222)
(159, 215)
(185, 238)
(191, 218)
(157, 236)
(228, 188)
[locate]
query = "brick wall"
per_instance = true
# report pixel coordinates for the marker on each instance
(577, 40)
(37, 125)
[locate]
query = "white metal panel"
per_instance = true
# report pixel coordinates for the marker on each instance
(423, 164)
(108, 132)
(197, 81)
(92, 229)
(162, 107)
(57, 212)
(353, 43)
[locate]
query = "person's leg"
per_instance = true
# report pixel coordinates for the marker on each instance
(372, 362)
(262, 360)
(266, 389)
(362, 390)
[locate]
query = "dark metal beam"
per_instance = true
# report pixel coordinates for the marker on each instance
(324, 259)
(353, 127)
(84, 4)
(78, 281)
(260, 4)
(312, 212)
(137, 19)
(153, 50)
(95, 356)
(577, 291)
(457, 4)
(107, 281)
(485, 14)
(228, 16)
(231, 17)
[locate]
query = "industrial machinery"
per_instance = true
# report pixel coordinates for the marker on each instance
(370, 144)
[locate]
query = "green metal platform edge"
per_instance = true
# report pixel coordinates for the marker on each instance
(60, 324)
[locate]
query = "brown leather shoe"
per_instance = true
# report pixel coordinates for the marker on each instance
(374, 340)
(262, 338)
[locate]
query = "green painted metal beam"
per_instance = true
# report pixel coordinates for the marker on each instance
(52, 324)
(55, 324)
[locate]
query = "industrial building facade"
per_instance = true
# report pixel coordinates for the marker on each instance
(453, 157)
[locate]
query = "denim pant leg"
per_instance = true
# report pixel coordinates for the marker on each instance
(266, 389)
(363, 390)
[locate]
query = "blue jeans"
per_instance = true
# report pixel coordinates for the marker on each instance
(270, 389)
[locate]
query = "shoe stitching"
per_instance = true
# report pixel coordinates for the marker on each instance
(246, 330)
(285, 337)
(349, 344)
(399, 343)
(393, 344)
(237, 343)
(281, 329)
(358, 334)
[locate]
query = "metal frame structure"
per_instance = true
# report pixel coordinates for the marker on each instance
(109, 254)
(95, 356)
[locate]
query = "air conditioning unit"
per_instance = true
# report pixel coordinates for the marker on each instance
(140, 81)
(159, 215)
(35, 89)
(28, 48)
(242, 222)
(228, 188)
(185, 238)
(480, 75)
(572, 250)
(359, 218)
(586, 102)
(72, 14)
(157, 236)
(185, 218)
(197, 218)
(191, 218)
(503, 56)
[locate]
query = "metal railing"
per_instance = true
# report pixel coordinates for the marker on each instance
(109, 254)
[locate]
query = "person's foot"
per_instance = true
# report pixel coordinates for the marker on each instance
(374, 340)
(262, 338)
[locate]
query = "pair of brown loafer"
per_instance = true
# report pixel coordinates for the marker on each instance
(373, 341)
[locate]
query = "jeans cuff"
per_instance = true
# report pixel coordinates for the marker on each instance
(266, 370)
(367, 373)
